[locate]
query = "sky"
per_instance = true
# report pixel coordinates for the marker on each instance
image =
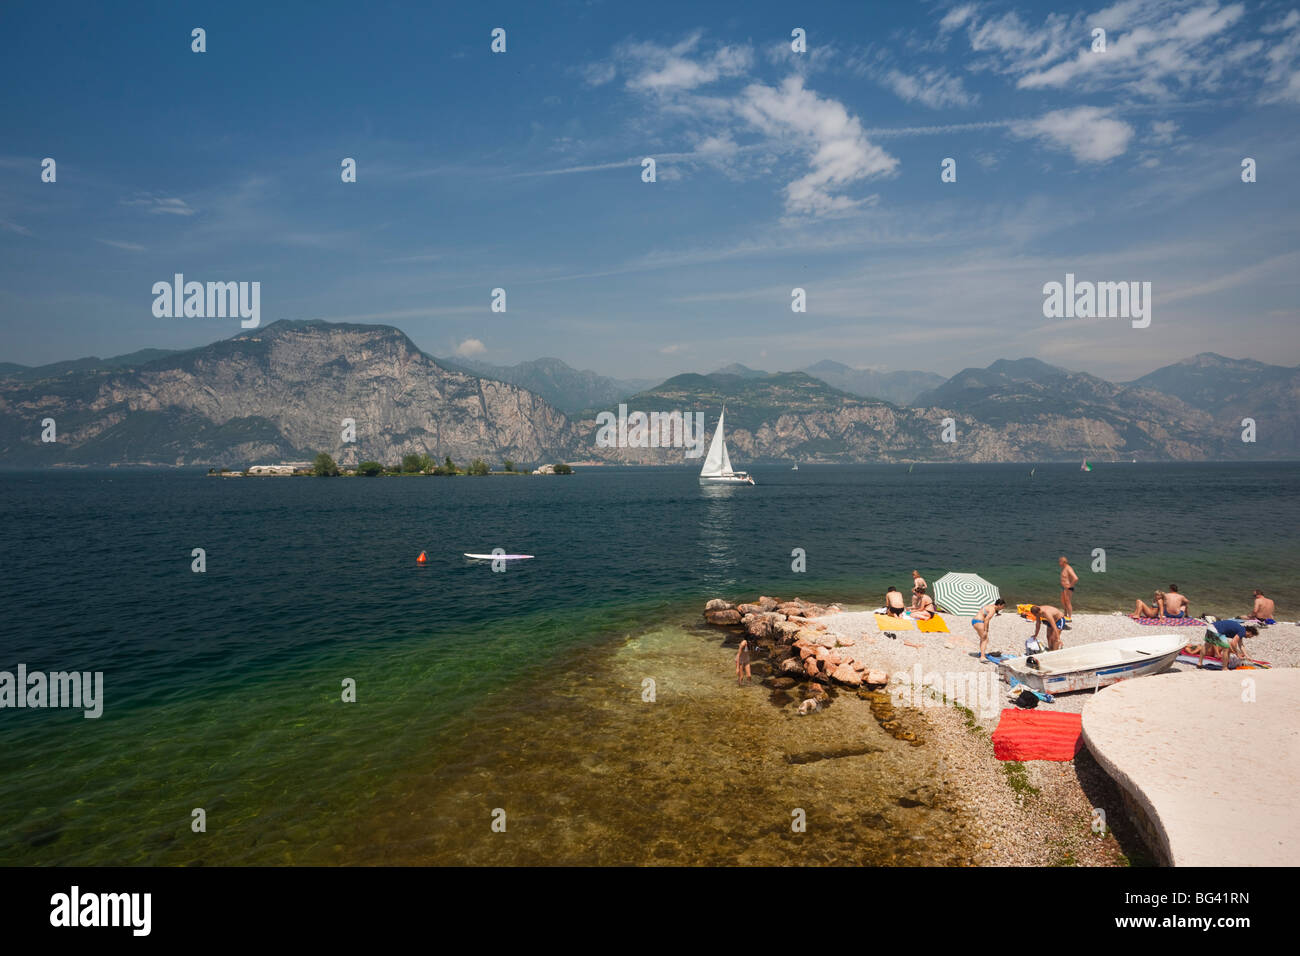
(775, 169)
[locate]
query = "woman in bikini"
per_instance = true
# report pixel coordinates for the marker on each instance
(742, 663)
(1141, 609)
(981, 625)
(922, 606)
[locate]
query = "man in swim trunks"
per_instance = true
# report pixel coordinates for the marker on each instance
(981, 625)
(894, 602)
(1175, 603)
(1223, 638)
(1264, 608)
(1068, 580)
(1055, 624)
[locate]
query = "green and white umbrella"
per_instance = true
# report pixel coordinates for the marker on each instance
(959, 593)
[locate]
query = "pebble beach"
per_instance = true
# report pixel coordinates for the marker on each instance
(1036, 813)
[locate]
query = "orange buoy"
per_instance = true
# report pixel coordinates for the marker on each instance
(421, 559)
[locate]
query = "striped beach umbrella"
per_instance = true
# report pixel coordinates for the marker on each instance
(959, 593)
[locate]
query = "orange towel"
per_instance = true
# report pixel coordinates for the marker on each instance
(934, 625)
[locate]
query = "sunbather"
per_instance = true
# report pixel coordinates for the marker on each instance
(922, 606)
(894, 602)
(1142, 609)
(1055, 620)
(1264, 608)
(1175, 603)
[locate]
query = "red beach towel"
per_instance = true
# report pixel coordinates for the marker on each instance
(1037, 735)
(1171, 621)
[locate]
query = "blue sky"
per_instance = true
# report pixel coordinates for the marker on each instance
(522, 170)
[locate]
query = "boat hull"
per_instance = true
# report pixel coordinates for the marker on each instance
(1093, 666)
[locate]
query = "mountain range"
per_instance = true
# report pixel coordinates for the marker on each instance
(285, 392)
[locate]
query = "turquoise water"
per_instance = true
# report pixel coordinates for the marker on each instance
(523, 690)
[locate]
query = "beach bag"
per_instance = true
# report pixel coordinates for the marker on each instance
(1027, 699)
(1033, 647)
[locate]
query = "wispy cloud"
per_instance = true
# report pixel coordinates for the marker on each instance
(122, 244)
(160, 205)
(1090, 134)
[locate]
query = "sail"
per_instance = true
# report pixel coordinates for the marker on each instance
(716, 462)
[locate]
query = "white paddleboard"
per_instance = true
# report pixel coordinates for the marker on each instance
(499, 557)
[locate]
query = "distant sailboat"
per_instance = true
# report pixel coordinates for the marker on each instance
(796, 467)
(717, 464)
(1085, 466)
(910, 467)
(1031, 472)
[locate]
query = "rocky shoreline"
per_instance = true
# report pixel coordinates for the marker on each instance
(797, 657)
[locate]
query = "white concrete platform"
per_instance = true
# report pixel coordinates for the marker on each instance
(1217, 776)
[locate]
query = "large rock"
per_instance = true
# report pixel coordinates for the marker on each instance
(845, 674)
(877, 678)
(810, 667)
(768, 603)
(807, 651)
(722, 618)
(789, 609)
(717, 604)
(751, 608)
(823, 654)
(785, 631)
(792, 665)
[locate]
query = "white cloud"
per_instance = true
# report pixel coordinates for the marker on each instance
(659, 69)
(840, 152)
(1090, 134)
(470, 347)
(934, 88)
(1162, 132)
(1155, 49)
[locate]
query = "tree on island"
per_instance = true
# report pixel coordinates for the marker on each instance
(414, 464)
(509, 465)
(370, 469)
(563, 469)
(478, 467)
(325, 466)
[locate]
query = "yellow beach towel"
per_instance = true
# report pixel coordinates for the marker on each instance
(934, 625)
(887, 623)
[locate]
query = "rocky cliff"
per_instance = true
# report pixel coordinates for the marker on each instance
(279, 392)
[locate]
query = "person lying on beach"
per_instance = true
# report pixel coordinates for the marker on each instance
(1264, 608)
(894, 602)
(1068, 580)
(922, 606)
(742, 663)
(1224, 638)
(1175, 603)
(1055, 624)
(1142, 609)
(981, 625)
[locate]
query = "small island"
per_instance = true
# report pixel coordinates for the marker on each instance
(324, 466)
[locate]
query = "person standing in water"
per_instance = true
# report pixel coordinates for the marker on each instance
(742, 663)
(1068, 580)
(981, 625)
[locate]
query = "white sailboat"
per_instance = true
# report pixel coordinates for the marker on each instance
(717, 464)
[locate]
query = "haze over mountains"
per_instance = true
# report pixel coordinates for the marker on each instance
(283, 391)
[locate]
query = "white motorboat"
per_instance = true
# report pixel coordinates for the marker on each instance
(717, 464)
(1091, 666)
